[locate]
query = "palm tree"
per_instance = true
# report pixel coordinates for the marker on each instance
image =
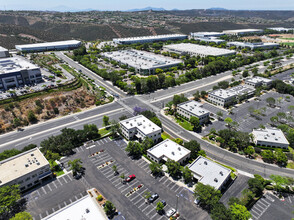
(75, 165)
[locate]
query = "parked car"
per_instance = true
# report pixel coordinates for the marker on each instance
(153, 197)
(170, 212)
(163, 202)
(130, 178)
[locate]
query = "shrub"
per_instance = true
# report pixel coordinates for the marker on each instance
(99, 198)
(269, 187)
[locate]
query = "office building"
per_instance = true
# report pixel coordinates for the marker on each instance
(193, 108)
(58, 45)
(211, 40)
(26, 169)
(149, 39)
(143, 62)
(243, 31)
(168, 149)
(281, 29)
(4, 52)
(198, 50)
(227, 97)
(270, 137)
(258, 81)
(85, 208)
(210, 173)
(253, 46)
(139, 127)
(206, 34)
(15, 72)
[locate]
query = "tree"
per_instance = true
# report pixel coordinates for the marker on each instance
(31, 117)
(268, 156)
(114, 128)
(22, 216)
(195, 122)
(274, 119)
(239, 212)
(109, 208)
(123, 117)
(147, 143)
(219, 115)
(52, 156)
(281, 157)
(134, 149)
(9, 196)
(105, 120)
(229, 121)
(245, 73)
(279, 181)
(159, 207)
(207, 195)
(271, 101)
(256, 186)
(220, 212)
(114, 168)
(194, 147)
(187, 175)
(173, 168)
(122, 176)
(249, 151)
(177, 99)
(197, 96)
(155, 168)
(75, 165)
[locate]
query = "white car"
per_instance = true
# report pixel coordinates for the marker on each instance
(170, 212)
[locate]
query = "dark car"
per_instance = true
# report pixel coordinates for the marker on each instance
(153, 197)
(163, 202)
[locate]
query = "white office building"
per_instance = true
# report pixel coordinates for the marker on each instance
(211, 40)
(226, 97)
(193, 108)
(270, 137)
(143, 62)
(206, 34)
(258, 81)
(253, 46)
(26, 169)
(3, 52)
(210, 173)
(198, 50)
(139, 127)
(15, 72)
(243, 31)
(58, 45)
(168, 149)
(149, 39)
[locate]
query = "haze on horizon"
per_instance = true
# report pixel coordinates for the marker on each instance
(113, 5)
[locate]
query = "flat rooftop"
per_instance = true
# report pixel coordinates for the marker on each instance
(234, 91)
(169, 149)
(193, 107)
(243, 30)
(205, 50)
(209, 172)
(15, 64)
(48, 44)
(20, 165)
(142, 123)
(157, 37)
(82, 209)
(259, 44)
(258, 79)
(141, 59)
(272, 135)
(208, 33)
(210, 39)
(2, 49)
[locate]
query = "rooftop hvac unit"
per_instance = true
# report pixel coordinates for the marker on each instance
(215, 180)
(173, 153)
(165, 145)
(221, 173)
(273, 133)
(26, 165)
(205, 162)
(32, 155)
(179, 148)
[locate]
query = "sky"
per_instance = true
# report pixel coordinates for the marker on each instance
(131, 4)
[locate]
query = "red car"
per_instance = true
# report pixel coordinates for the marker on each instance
(130, 178)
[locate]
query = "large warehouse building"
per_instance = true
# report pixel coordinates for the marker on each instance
(206, 34)
(143, 62)
(26, 169)
(243, 31)
(198, 50)
(58, 45)
(3, 52)
(15, 72)
(149, 39)
(253, 46)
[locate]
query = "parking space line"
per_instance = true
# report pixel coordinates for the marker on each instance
(69, 177)
(139, 201)
(145, 208)
(107, 172)
(120, 186)
(60, 182)
(177, 189)
(44, 190)
(141, 205)
(64, 203)
(77, 149)
(161, 178)
(110, 179)
(76, 197)
(49, 187)
(54, 184)
(173, 186)
(40, 216)
(165, 180)
(64, 179)
(150, 211)
(153, 216)
(258, 208)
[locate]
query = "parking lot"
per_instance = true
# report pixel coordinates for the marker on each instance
(271, 207)
(241, 114)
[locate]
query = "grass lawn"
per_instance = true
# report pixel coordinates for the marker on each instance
(288, 38)
(290, 165)
(165, 135)
(103, 132)
(59, 173)
(289, 44)
(57, 170)
(185, 124)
